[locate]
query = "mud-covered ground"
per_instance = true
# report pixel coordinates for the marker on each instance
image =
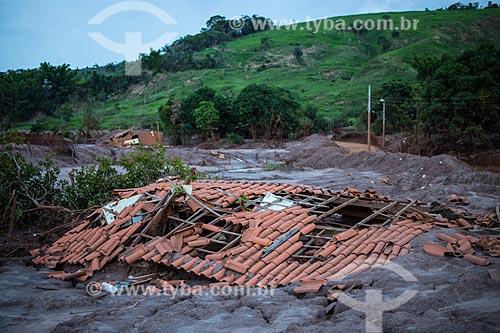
(452, 295)
(318, 161)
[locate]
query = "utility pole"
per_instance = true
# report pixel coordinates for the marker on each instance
(383, 122)
(369, 118)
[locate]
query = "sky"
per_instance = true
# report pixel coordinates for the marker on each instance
(57, 31)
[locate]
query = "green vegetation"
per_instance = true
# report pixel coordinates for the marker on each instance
(207, 118)
(34, 192)
(58, 92)
(267, 111)
(320, 69)
(338, 66)
(460, 98)
(26, 189)
(234, 139)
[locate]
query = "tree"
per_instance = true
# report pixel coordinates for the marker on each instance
(265, 42)
(228, 118)
(298, 54)
(153, 61)
(461, 6)
(385, 43)
(216, 22)
(207, 118)
(491, 5)
(318, 124)
(460, 97)
(57, 83)
(170, 117)
(89, 122)
(266, 111)
(398, 99)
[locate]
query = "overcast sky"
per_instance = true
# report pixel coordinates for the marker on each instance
(34, 31)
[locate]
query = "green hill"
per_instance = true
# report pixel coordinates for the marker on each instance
(336, 66)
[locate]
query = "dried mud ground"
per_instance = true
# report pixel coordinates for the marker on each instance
(453, 295)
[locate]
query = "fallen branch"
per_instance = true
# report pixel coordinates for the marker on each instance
(12, 214)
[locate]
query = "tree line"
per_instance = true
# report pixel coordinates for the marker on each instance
(259, 111)
(469, 6)
(180, 55)
(455, 101)
(25, 94)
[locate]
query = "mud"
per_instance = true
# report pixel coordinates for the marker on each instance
(453, 295)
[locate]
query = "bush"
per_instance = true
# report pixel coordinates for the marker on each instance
(40, 195)
(234, 139)
(91, 185)
(143, 166)
(29, 186)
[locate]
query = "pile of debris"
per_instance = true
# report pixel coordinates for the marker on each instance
(459, 245)
(133, 136)
(246, 233)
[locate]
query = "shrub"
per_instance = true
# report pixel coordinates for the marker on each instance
(143, 166)
(91, 185)
(234, 139)
(40, 195)
(28, 186)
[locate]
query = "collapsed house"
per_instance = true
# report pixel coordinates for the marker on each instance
(248, 233)
(134, 137)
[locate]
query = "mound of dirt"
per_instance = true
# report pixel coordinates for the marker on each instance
(315, 151)
(428, 178)
(419, 171)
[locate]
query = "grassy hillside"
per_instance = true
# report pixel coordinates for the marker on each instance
(337, 67)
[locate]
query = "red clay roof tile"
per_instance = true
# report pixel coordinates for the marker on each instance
(476, 260)
(178, 262)
(236, 266)
(345, 235)
(190, 238)
(156, 258)
(465, 247)
(140, 251)
(188, 262)
(267, 269)
(256, 267)
(310, 227)
(202, 241)
(267, 280)
(215, 256)
(211, 227)
(434, 249)
(354, 250)
(261, 241)
(149, 255)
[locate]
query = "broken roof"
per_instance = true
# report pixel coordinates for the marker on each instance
(245, 233)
